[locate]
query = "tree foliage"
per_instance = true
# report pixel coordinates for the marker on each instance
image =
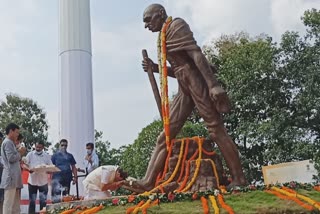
(136, 157)
(275, 93)
(28, 115)
(106, 154)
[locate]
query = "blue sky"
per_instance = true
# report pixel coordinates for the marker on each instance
(123, 100)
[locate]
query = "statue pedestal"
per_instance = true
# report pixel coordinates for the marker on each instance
(209, 176)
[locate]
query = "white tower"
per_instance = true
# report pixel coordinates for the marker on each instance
(75, 74)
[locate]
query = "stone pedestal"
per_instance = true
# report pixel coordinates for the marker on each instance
(206, 178)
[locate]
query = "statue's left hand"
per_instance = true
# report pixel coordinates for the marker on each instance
(221, 99)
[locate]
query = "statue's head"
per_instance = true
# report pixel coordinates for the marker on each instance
(154, 16)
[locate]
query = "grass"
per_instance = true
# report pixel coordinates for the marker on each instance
(256, 202)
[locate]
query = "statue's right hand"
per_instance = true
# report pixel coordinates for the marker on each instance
(147, 64)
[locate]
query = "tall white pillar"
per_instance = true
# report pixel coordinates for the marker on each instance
(76, 123)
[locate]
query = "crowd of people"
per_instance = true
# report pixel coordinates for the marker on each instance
(98, 183)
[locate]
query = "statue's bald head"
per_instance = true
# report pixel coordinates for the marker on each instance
(154, 8)
(154, 16)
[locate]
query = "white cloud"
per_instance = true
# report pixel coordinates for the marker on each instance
(211, 18)
(286, 14)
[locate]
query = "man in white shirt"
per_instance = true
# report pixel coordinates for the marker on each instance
(91, 161)
(37, 180)
(99, 183)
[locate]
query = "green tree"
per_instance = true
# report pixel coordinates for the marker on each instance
(106, 154)
(28, 115)
(136, 156)
(275, 94)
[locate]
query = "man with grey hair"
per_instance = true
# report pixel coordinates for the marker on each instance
(198, 87)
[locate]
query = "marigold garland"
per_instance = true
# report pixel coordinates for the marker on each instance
(178, 163)
(131, 198)
(161, 189)
(214, 204)
(208, 153)
(198, 163)
(214, 168)
(184, 159)
(285, 197)
(289, 190)
(204, 203)
(184, 182)
(163, 71)
(69, 211)
(224, 205)
(144, 210)
(145, 206)
(93, 210)
(167, 160)
(158, 179)
(305, 198)
(172, 176)
(133, 208)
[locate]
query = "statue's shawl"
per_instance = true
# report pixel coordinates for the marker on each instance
(179, 37)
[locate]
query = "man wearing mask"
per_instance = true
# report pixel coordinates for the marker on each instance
(91, 161)
(11, 178)
(37, 180)
(61, 180)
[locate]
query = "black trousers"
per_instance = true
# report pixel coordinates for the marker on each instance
(43, 192)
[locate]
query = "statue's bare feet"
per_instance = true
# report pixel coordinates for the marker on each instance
(136, 186)
(236, 183)
(145, 184)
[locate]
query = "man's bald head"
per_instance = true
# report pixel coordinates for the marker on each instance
(154, 16)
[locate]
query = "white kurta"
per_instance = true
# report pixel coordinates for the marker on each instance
(95, 181)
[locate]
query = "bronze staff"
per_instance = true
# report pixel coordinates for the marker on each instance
(153, 83)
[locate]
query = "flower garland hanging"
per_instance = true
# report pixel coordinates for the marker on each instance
(184, 159)
(204, 203)
(224, 205)
(163, 71)
(167, 160)
(214, 169)
(214, 204)
(198, 163)
(208, 153)
(173, 173)
(186, 176)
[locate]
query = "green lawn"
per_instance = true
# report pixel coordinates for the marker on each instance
(243, 203)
